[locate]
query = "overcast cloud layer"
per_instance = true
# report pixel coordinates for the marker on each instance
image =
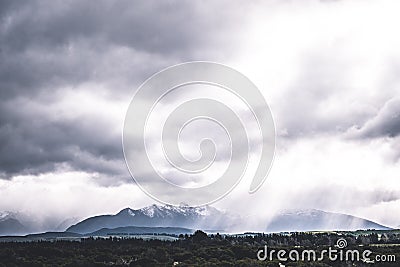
(329, 70)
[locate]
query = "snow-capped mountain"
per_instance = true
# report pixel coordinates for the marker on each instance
(317, 220)
(9, 224)
(207, 218)
(192, 218)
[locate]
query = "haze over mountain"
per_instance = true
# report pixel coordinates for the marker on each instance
(212, 219)
(184, 219)
(317, 220)
(9, 224)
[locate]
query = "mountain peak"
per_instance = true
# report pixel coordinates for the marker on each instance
(9, 223)
(204, 217)
(318, 220)
(4, 215)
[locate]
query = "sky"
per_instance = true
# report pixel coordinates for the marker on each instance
(327, 69)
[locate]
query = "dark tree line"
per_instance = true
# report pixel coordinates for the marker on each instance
(198, 249)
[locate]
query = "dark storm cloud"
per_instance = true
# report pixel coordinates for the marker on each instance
(32, 142)
(45, 44)
(144, 25)
(385, 124)
(47, 47)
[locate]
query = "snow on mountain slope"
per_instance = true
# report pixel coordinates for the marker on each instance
(207, 218)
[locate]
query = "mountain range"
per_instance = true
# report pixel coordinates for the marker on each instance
(317, 220)
(207, 218)
(185, 219)
(9, 224)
